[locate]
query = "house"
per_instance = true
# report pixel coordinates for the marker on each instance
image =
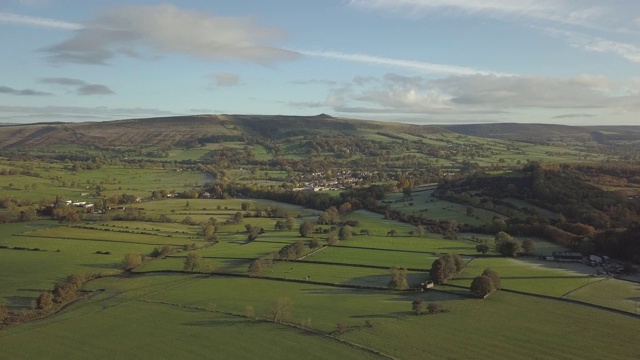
(567, 256)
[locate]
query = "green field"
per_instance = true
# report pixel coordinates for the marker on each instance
(169, 316)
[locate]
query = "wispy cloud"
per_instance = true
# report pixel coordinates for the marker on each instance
(23, 92)
(481, 94)
(80, 87)
(573, 116)
(145, 31)
(584, 13)
(38, 22)
(425, 67)
(627, 51)
(63, 113)
(225, 79)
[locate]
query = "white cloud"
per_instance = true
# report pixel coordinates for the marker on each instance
(38, 22)
(80, 87)
(627, 51)
(225, 79)
(585, 13)
(482, 94)
(400, 63)
(140, 30)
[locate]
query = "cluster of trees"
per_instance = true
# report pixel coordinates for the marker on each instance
(507, 246)
(586, 211)
(445, 268)
(483, 285)
(418, 307)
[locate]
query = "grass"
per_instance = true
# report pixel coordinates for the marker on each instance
(344, 255)
(126, 236)
(613, 293)
(529, 275)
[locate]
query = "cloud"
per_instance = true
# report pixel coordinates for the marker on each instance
(400, 63)
(225, 79)
(38, 22)
(313, 82)
(627, 51)
(24, 92)
(81, 87)
(573, 116)
(481, 94)
(94, 89)
(146, 31)
(63, 113)
(584, 13)
(306, 104)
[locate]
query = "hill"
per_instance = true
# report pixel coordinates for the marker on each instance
(184, 130)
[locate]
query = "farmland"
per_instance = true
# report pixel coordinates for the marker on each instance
(196, 247)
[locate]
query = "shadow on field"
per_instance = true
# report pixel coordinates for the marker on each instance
(117, 265)
(17, 303)
(527, 277)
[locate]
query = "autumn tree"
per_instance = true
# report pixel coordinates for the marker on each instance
(344, 233)
(420, 232)
(192, 261)
(332, 238)
(306, 228)
(528, 246)
(281, 310)
(290, 223)
(398, 278)
(495, 278)
(256, 268)
(4, 313)
(131, 261)
(45, 301)
(481, 286)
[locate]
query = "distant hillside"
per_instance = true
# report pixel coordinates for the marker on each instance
(546, 133)
(190, 130)
(185, 130)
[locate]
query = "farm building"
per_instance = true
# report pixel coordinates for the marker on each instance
(567, 256)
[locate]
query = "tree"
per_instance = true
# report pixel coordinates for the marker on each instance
(501, 236)
(509, 248)
(495, 278)
(192, 261)
(256, 268)
(435, 308)
(341, 328)
(332, 239)
(315, 243)
(131, 261)
(481, 286)
(420, 231)
(344, 233)
(417, 306)
(306, 228)
(438, 271)
(528, 246)
(281, 310)
(246, 205)
(406, 191)
(482, 248)
(398, 278)
(45, 301)
(4, 313)
(290, 223)
(470, 211)
(280, 225)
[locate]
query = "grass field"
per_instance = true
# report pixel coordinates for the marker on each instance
(613, 293)
(188, 316)
(529, 275)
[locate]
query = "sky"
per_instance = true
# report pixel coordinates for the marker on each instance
(573, 62)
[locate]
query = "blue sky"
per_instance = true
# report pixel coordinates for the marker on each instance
(571, 62)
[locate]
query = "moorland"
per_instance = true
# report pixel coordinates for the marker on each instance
(237, 236)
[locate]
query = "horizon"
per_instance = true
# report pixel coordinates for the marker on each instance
(566, 62)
